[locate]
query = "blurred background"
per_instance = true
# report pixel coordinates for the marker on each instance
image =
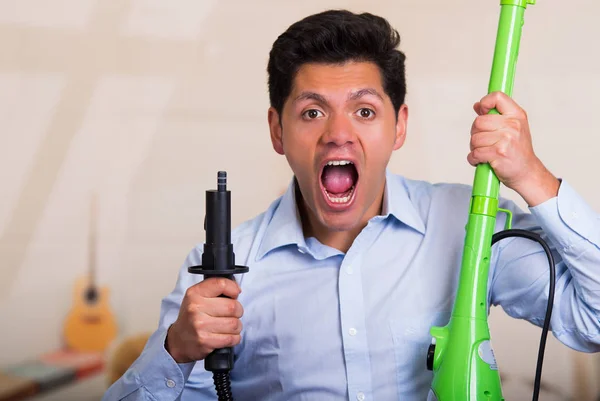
(115, 116)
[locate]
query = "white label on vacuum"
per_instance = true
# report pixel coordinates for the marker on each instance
(486, 353)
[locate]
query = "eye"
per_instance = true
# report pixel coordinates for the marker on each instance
(365, 113)
(312, 114)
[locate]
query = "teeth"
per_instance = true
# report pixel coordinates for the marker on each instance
(345, 199)
(338, 162)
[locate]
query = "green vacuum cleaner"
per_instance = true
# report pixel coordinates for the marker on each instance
(461, 356)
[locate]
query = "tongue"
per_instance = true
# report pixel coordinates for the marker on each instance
(339, 179)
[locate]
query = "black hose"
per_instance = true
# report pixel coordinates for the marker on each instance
(223, 386)
(535, 237)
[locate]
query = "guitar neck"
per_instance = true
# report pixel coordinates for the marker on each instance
(92, 242)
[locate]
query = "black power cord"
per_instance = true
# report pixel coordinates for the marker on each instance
(535, 237)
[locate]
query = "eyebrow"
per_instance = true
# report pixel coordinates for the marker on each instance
(311, 96)
(363, 92)
(352, 96)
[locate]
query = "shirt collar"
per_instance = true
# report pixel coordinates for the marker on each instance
(397, 202)
(285, 227)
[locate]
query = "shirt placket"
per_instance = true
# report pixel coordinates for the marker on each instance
(352, 317)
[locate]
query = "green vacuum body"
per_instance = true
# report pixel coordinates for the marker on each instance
(461, 355)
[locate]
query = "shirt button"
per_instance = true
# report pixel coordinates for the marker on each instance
(349, 270)
(170, 383)
(360, 396)
(352, 332)
(574, 214)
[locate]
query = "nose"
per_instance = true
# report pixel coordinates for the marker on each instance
(339, 131)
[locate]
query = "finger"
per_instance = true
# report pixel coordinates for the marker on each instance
(228, 325)
(488, 122)
(218, 325)
(214, 287)
(485, 139)
(223, 307)
(502, 103)
(482, 155)
(217, 341)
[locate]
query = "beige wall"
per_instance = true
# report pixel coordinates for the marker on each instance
(142, 101)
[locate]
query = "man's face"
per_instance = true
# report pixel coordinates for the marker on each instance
(338, 130)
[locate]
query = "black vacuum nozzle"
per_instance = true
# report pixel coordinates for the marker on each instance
(218, 260)
(222, 181)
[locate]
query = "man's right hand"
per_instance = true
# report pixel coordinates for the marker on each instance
(206, 321)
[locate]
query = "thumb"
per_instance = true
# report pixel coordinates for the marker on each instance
(214, 287)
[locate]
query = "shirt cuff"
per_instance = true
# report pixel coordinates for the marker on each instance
(158, 372)
(567, 219)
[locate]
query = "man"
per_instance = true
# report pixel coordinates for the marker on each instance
(352, 265)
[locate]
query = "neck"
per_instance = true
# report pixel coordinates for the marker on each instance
(340, 240)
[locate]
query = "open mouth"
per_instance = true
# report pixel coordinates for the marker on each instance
(338, 182)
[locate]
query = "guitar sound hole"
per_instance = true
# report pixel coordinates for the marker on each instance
(91, 295)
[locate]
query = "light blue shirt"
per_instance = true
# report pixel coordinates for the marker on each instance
(323, 325)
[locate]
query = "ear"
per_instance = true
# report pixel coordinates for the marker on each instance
(276, 130)
(401, 125)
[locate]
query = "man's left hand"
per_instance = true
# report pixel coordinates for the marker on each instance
(504, 141)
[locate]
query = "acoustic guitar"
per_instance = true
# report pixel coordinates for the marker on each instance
(90, 325)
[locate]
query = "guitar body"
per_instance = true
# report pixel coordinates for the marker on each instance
(90, 325)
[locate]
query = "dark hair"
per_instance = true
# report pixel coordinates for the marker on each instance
(336, 37)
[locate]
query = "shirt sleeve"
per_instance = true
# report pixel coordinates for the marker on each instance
(155, 375)
(520, 278)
